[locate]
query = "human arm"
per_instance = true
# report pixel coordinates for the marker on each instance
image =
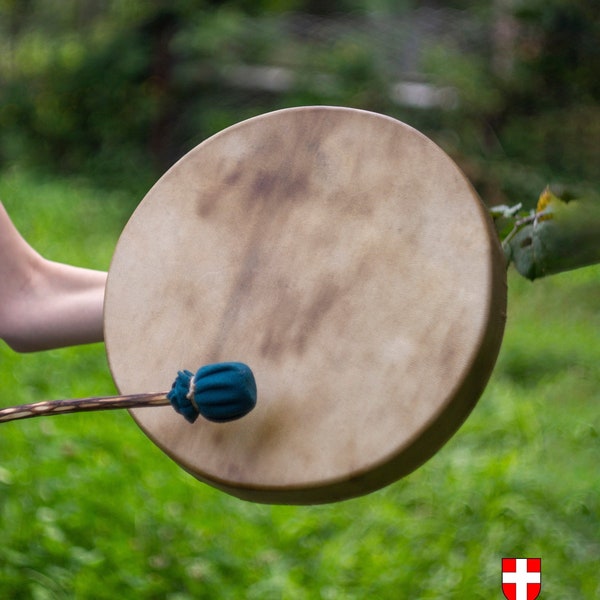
(45, 304)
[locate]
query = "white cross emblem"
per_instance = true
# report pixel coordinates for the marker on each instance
(521, 577)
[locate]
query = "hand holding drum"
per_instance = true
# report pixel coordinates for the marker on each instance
(345, 257)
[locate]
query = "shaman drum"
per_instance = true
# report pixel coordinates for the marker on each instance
(346, 259)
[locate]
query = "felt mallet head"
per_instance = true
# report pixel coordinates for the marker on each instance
(220, 392)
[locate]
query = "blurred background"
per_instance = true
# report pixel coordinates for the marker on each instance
(509, 88)
(99, 97)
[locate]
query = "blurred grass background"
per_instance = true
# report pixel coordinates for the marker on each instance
(90, 508)
(97, 99)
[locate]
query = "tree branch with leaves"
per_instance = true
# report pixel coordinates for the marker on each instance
(560, 234)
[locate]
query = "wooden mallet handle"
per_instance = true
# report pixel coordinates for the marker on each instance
(55, 407)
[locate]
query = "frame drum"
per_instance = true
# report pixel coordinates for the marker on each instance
(347, 260)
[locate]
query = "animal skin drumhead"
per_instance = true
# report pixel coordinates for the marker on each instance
(346, 259)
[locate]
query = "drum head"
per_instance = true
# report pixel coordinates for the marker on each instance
(345, 258)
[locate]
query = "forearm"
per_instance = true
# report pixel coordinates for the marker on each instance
(61, 306)
(45, 304)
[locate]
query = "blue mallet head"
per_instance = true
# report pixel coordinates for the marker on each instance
(220, 392)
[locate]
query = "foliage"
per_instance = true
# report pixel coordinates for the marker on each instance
(529, 109)
(122, 86)
(126, 87)
(90, 508)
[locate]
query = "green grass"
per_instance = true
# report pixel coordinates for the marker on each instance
(90, 508)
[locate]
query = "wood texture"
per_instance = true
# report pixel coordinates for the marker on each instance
(345, 258)
(49, 408)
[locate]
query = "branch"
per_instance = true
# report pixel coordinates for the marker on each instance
(557, 236)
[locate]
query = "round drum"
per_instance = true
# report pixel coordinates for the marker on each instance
(346, 259)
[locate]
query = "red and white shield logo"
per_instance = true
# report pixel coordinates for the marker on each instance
(521, 578)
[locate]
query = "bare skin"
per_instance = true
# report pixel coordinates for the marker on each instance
(45, 304)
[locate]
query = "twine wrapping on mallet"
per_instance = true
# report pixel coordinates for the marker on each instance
(221, 392)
